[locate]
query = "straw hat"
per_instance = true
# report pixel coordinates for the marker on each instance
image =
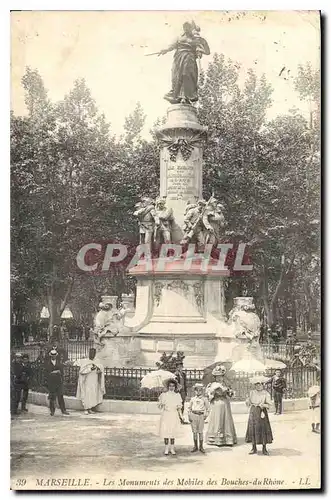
(198, 386)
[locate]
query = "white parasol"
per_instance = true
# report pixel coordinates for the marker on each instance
(259, 379)
(274, 364)
(313, 390)
(248, 366)
(156, 379)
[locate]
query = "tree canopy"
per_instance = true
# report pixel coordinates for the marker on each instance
(73, 183)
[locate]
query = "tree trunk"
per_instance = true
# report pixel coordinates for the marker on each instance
(56, 304)
(53, 303)
(281, 282)
(265, 296)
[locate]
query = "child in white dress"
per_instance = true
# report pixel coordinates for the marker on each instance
(170, 403)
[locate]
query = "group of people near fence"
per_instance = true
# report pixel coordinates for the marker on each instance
(211, 402)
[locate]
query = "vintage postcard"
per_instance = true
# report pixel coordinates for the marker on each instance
(165, 250)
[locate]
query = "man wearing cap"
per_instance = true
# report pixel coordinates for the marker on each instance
(54, 375)
(21, 374)
(181, 379)
(197, 412)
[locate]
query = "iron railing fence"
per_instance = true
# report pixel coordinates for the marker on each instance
(79, 349)
(124, 383)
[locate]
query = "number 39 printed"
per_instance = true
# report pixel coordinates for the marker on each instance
(20, 482)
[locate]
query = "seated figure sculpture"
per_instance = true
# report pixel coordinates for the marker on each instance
(245, 321)
(108, 321)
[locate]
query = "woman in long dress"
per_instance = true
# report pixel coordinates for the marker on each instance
(221, 430)
(258, 427)
(188, 48)
(170, 404)
(91, 383)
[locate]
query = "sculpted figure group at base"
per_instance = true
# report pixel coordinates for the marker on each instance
(108, 321)
(244, 319)
(203, 222)
(155, 221)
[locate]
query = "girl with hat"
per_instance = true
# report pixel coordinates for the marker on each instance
(258, 427)
(221, 430)
(170, 403)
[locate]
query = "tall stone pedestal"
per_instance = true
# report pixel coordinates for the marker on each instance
(181, 147)
(180, 309)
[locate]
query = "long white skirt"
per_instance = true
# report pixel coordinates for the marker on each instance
(315, 415)
(169, 424)
(89, 390)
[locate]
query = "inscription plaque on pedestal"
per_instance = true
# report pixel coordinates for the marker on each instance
(181, 181)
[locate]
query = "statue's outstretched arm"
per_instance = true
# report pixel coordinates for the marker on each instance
(171, 47)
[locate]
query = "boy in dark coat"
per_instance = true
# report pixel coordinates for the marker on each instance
(54, 376)
(278, 385)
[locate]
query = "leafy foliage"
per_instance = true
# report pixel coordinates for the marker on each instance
(73, 182)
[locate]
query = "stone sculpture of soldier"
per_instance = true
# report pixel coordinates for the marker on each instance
(163, 222)
(194, 230)
(145, 212)
(213, 221)
(203, 222)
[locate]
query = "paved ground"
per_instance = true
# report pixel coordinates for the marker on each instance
(108, 451)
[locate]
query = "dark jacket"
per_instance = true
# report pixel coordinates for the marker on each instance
(54, 380)
(181, 379)
(21, 373)
(278, 385)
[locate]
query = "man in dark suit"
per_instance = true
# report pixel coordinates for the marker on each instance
(21, 374)
(181, 379)
(54, 376)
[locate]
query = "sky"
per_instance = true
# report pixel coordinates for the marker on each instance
(108, 50)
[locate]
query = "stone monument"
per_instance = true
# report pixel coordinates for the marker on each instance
(180, 303)
(181, 307)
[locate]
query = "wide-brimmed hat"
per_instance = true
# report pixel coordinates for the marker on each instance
(53, 352)
(218, 370)
(259, 379)
(198, 386)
